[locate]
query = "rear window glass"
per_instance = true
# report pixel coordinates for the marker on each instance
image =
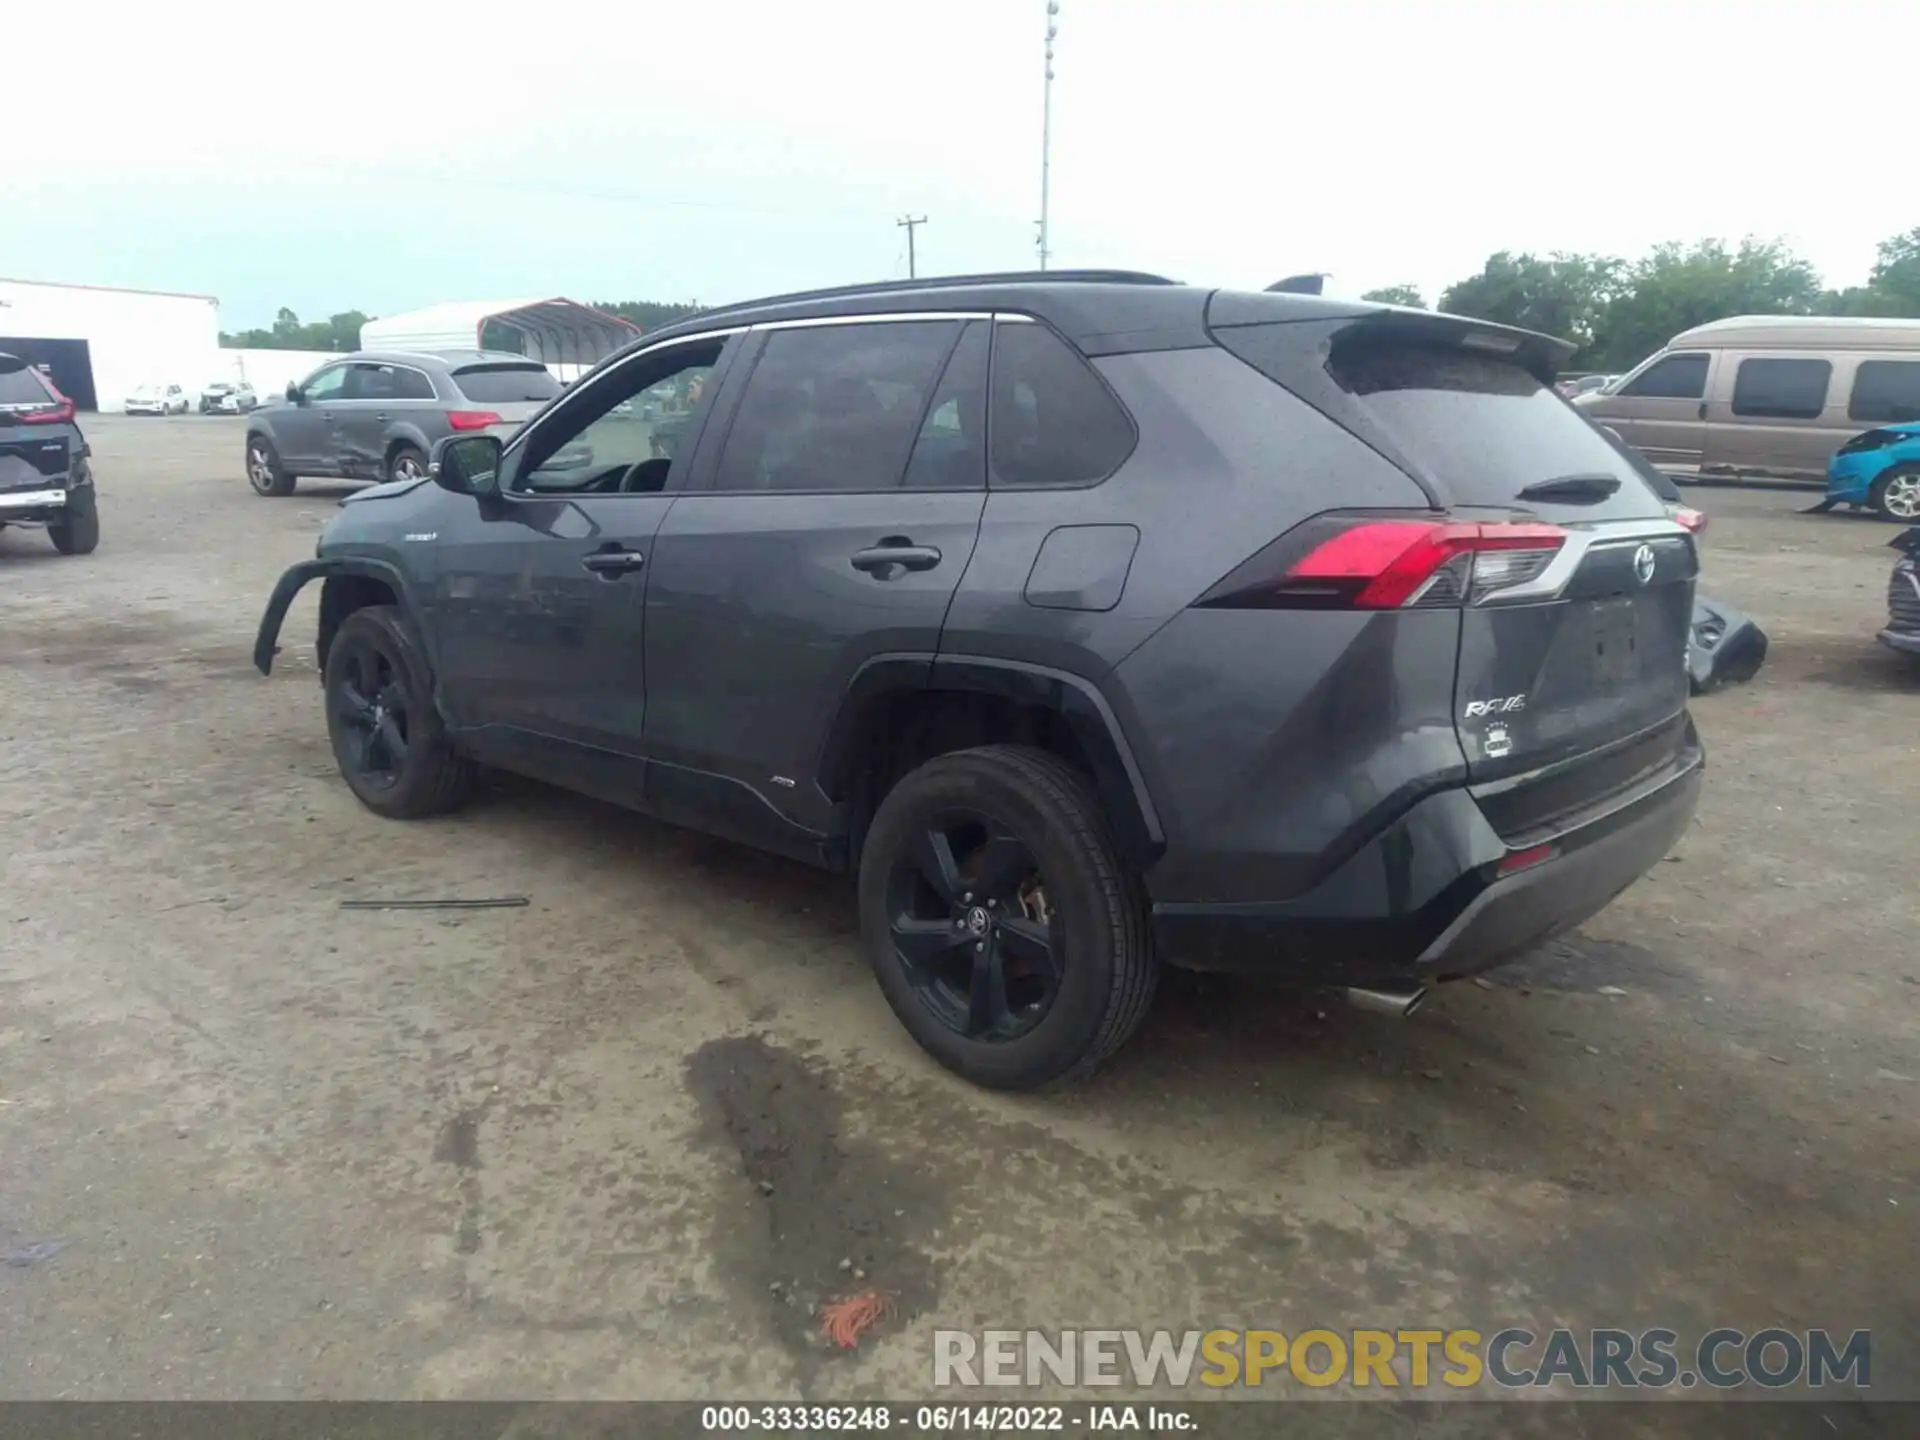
(1885, 391)
(1483, 427)
(505, 384)
(22, 387)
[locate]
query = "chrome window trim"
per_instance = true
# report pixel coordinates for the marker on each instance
(890, 317)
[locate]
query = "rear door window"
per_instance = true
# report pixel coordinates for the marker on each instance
(835, 407)
(951, 450)
(1053, 422)
(1885, 392)
(506, 384)
(1781, 389)
(1677, 377)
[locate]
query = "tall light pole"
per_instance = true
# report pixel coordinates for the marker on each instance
(1046, 129)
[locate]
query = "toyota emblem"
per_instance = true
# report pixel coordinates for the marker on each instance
(1643, 563)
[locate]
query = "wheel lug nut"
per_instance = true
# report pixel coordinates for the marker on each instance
(980, 945)
(967, 899)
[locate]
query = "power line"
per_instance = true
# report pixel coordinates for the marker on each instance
(911, 223)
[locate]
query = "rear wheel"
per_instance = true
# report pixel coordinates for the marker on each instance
(1001, 923)
(387, 737)
(264, 471)
(406, 463)
(1896, 495)
(77, 531)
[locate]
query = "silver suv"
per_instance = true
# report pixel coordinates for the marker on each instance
(375, 415)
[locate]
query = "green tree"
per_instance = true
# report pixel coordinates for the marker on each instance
(1677, 287)
(1408, 295)
(1893, 289)
(339, 333)
(1564, 295)
(648, 314)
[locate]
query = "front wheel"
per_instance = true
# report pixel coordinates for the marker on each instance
(1896, 495)
(392, 750)
(264, 471)
(1002, 925)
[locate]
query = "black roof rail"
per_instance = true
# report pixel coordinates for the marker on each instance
(938, 282)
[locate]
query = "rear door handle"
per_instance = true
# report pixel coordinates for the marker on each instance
(614, 563)
(894, 553)
(1703, 409)
(381, 417)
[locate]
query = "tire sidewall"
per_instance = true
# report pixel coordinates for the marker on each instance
(1073, 1023)
(385, 627)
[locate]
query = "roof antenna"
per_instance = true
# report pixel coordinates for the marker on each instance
(1299, 285)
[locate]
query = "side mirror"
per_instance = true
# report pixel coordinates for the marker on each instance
(293, 391)
(466, 464)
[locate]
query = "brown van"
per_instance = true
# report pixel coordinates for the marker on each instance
(1765, 394)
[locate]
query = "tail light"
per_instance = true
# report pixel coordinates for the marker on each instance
(1347, 564)
(57, 411)
(472, 419)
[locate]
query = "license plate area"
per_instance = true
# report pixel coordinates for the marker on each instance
(1617, 651)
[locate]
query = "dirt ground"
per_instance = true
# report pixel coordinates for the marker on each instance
(618, 1143)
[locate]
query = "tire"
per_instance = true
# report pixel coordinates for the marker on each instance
(408, 462)
(1896, 495)
(387, 738)
(77, 532)
(1006, 813)
(264, 471)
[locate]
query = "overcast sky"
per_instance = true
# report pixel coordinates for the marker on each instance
(386, 156)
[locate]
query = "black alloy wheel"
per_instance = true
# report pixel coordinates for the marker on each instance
(971, 927)
(371, 713)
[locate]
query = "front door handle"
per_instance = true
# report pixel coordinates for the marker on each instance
(892, 555)
(381, 417)
(614, 563)
(1703, 409)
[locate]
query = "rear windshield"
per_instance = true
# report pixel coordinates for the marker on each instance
(504, 384)
(1479, 425)
(22, 387)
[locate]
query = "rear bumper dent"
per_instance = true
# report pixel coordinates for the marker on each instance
(1424, 900)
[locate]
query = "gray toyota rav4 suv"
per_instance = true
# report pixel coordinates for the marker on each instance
(1093, 621)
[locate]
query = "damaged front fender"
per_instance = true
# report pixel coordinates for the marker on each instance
(266, 644)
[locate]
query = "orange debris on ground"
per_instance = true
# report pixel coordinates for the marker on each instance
(845, 1321)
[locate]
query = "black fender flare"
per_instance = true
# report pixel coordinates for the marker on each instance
(1117, 776)
(266, 643)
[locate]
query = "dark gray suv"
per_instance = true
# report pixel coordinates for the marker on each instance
(1094, 621)
(376, 415)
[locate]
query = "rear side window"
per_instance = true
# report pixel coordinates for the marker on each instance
(951, 451)
(506, 384)
(1885, 391)
(835, 407)
(1678, 377)
(1781, 389)
(367, 381)
(1053, 422)
(22, 387)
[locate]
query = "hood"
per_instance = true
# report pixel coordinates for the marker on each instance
(386, 491)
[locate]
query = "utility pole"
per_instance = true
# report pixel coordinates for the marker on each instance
(909, 223)
(1046, 130)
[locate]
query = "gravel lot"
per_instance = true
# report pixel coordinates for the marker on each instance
(616, 1143)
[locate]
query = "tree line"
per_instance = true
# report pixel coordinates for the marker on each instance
(1620, 311)
(341, 333)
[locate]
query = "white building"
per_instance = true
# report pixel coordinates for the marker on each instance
(100, 343)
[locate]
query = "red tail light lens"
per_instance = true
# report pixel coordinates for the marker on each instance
(1394, 564)
(56, 412)
(1692, 519)
(472, 419)
(1514, 861)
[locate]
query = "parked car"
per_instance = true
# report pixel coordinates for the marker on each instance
(1765, 395)
(224, 397)
(1091, 620)
(46, 478)
(376, 415)
(1903, 597)
(158, 400)
(1879, 471)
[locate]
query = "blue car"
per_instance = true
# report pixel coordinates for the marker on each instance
(1879, 470)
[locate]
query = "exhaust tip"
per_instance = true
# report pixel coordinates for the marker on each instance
(1398, 1003)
